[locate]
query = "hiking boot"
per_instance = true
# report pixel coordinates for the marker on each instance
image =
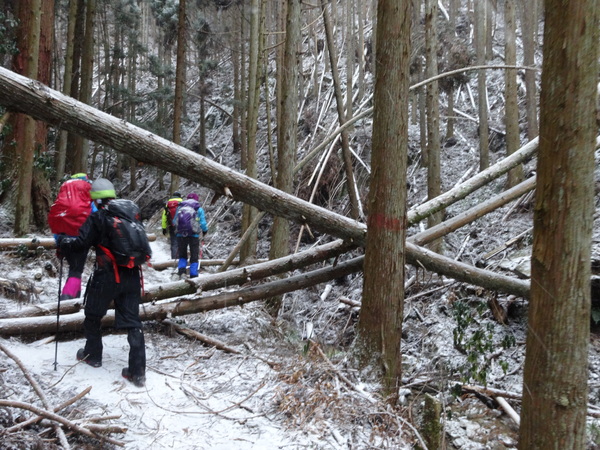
(137, 380)
(81, 356)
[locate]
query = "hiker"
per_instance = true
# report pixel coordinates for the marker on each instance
(111, 281)
(167, 221)
(189, 221)
(72, 207)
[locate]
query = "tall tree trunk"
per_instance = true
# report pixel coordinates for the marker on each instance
(248, 250)
(529, 28)
(237, 89)
(513, 141)
(350, 50)
(61, 152)
(73, 140)
(350, 183)
(41, 194)
(360, 19)
(481, 11)
(434, 179)
(287, 140)
(380, 322)
(452, 7)
(179, 83)
(555, 388)
(28, 42)
(87, 76)
(132, 87)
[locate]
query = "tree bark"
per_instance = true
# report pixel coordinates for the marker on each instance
(513, 141)
(61, 151)
(87, 75)
(434, 177)
(287, 141)
(529, 29)
(179, 83)
(249, 212)
(481, 12)
(380, 322)
(555, 381)
(27, 60)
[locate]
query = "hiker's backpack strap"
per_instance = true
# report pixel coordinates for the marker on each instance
(110, 256)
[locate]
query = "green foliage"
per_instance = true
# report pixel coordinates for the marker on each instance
(474, 336)
(8, 43)
(44, 162)
(22, 251)
(596, 315)
(166, 16)
(594, 433)
(158, 69)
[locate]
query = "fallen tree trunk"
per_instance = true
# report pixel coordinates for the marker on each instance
(160, 311)
(163, 265)
(459, 192)
(205, 281)
(460, 220)
(35, 242)
(30, 243)
(41, 102)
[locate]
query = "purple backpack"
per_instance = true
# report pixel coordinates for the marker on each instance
(186, 220)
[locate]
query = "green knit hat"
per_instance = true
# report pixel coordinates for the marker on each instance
(102, 188)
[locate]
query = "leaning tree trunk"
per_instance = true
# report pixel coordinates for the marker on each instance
(23, 95)
(350, 183)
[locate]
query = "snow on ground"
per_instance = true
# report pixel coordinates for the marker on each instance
(274, 394)
(195, 397)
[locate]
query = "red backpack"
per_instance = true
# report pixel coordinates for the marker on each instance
(170, 209)
(71, 208)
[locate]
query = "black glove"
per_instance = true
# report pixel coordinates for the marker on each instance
(64, 241)
(59, 238)
(204, 233)
(164, 231)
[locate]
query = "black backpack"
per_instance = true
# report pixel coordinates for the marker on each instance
(127, 242)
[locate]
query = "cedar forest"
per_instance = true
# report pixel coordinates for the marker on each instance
(402, 220)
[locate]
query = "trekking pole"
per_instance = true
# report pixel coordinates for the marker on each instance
(200, 255)
(58, 313)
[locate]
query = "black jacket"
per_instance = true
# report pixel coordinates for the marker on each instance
(93, 233)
